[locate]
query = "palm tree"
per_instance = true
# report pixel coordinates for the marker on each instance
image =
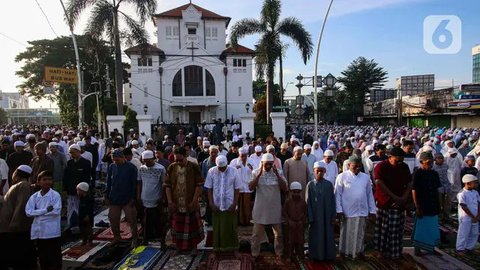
(105, 18)
(269, 47)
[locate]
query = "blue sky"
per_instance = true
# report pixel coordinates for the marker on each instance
(389, 31)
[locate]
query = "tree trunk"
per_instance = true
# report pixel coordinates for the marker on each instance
(270, 76)
(118, 64)
(280, 80)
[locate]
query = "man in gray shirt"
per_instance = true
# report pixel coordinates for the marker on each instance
(59, 164)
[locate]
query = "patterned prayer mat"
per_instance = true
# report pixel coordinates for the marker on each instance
(79, 253)
(106, 258)
(142, 257)
(125, 232)
(185, 262)
(230, 262)
(273, 262)
(311, 265)
(472, 259)
(373, 262)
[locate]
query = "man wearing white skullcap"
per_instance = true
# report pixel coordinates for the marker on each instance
(207, 164)
(151, 177)
(330, 166)
(296, 169)
(295, 210)
(17, 158)
(15, 225)
(59, 163)
(223, 185)
(267, 209)
(321, 215)
(257, 157)
(244, 167)
(309, 157)
(468, 213)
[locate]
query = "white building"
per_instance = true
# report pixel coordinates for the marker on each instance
(13, 100)
(190, 75)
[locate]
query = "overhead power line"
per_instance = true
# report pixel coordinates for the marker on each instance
(46, 18)
(14, 40)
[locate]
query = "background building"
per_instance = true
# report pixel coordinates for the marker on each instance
(416, 84)
(382, 94)
(476, 64)
(191, 74)
(13, 101)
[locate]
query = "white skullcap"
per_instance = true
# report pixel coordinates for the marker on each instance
(19, 144)
(199, 138)
(81, 143)
(65, 137)
(221, 161)
(52, 144)
(83, 186)
(25, 169)
(76, 139)
(328, 153)
(165, 137)
(134, 142)
(147, 154)
(206, 143)
(267, 157)
(213, 147)
(307, 146)
(74, 147)
(30, 136)
(258, 148)
(270, 147)
(243, 151)
(295, 186)
(315, 142)
(467, 178)
(319, 164)
(369, 148)
(297, 148)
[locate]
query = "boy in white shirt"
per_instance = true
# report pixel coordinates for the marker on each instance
(468, 215)
(45, 207)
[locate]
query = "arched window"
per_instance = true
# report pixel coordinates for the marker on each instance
(177, 84)
(210, 83)
(193, 81)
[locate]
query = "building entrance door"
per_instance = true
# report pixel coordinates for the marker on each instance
(194, 117)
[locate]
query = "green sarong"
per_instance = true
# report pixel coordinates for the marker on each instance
(225, 232)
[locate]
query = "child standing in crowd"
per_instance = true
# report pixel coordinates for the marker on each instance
(470, 168)
(295, 210)
(85, 212)
(45, 206)
(468, 215)
(444, 191)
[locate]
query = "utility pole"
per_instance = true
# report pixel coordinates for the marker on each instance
(108, 81)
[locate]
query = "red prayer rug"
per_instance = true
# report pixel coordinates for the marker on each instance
(81, 253)
(230, 262)
(125, 232)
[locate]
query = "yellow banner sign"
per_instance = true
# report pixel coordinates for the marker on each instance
(61, 75)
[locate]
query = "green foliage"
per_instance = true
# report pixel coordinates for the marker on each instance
(3, 116)
(105, 19)
(260, 108)
(269, 47)
(358, 79)
(130, 119)
(59, 52)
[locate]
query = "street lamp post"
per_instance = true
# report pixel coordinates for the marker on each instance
(247, 107)
(315, 105)
(145, 109)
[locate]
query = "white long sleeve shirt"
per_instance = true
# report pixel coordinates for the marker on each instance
(244, 173)
(332, 171)
(223, 185)
(46, 225)
(353, 194)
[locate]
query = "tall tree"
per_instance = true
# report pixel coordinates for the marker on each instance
(269, 47)
(359, 79)
(3, 117)
(59, 52)
(105, 18)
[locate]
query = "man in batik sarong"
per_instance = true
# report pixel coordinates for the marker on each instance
(321, 212)
(355, 202)
(183, 186)
(393, 190)
(426, 199)
(223, 184)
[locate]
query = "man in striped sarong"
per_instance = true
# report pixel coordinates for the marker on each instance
(355, 202)
(393, 190)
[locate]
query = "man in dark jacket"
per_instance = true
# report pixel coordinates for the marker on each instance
(78, 170)
(120, 194)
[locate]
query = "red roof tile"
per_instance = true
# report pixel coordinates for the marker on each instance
(206, 14)
(149, 49)
(238, 50)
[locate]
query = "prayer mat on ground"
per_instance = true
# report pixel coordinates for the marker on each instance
(312, 265)
(471, 259)
(125, 232)
(230, 262)
(374, 262)
(182, 261)
(106, 258)
(79, 253)
(142, 257)
(273, 262)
